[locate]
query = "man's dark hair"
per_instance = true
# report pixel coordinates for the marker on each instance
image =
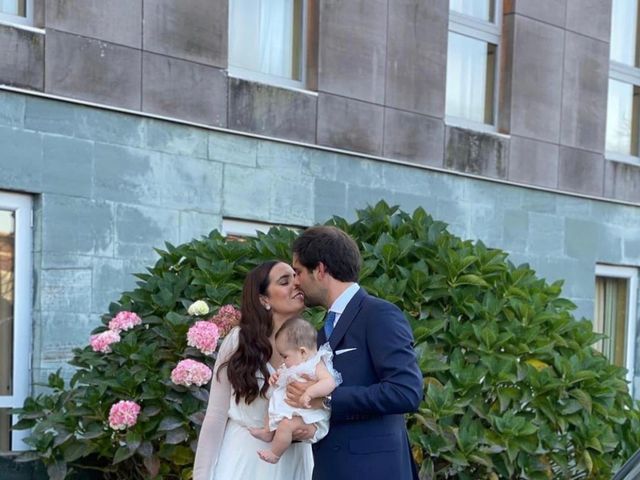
(331, 246)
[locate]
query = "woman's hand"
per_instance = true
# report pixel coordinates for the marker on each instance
(295, 390)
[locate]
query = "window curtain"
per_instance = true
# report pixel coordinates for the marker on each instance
(611, 314)
(261, 36)
(13, 7)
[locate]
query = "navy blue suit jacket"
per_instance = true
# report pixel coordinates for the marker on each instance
(380, 382)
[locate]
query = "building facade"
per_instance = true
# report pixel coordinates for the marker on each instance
(126, 124)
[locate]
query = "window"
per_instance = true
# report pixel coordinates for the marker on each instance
(238, 229)
(15, 313)
(474, 38)
(615, 314)
(16, 11)
(267, 40)
(624, 83)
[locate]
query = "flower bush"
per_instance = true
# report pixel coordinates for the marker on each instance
(513, 388)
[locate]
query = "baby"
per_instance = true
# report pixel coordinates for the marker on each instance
(296, 343)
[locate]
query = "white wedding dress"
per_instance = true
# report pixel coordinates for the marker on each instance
(226, 449)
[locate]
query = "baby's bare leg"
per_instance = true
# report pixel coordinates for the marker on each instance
(264, 433)
(281, 440)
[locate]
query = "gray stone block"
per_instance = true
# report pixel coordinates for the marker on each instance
(66, 290)
(538, 201)
(321, 164)
(412, 137)
(581, 239)
(187, 183)
(272, 111)
(632, 247)
(193, 30)
(353, 48)
(283, 159)
(533, 162)
(108, 282)
(67, 166)
(404, 178)
(116, 21)
(590, 17)
(584, 92)
(581, 171)
(22, 59)
(228, 148)
(475, 152)
(454, 213)
(485, 224)
(622, 181)
(182, 89)
(77, 225)
(350, 124)
(330, 198)
(549, 11)
(610, 244)
(20, 160)
(546, 235)
(533, 80)
(12, 109)
(515, 230)
(196, 224)
(177, 139)
(296, 206)
(246, 192)
(142, 183)
(44, 115)
(417, 56)
(140, 229)
(359, 197)
(360, 171)
(109, 126)
(92, 70)
(62, 332)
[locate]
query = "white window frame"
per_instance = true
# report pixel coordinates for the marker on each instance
(22, 206)
(276, 80)
(490, 32)
(243, 228)
(17, 19)
(631, 275)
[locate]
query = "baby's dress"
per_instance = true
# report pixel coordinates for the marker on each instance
(279, 409)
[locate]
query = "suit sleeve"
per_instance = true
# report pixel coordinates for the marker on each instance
(399, 388)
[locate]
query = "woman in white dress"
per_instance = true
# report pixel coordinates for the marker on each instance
(238, 398)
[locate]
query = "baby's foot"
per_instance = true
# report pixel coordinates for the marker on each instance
(261, 434)
(268, 456)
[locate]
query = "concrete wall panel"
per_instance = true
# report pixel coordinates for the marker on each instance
(590, 17)
(417, 55)
(352, 48)
(22, 58)
(272, 111)
(180, 89)
(477, 153)
(581, 171)
(413, 137)
(114, 21)
(350, 124)
(584, 92)
(622, 181)
(189, 29)
(548, 11)
(87, 69)
(533, 162)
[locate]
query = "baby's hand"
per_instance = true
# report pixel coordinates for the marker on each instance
(305, 400)
(273, 379)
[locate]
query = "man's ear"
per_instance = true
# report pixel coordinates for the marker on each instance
(321, 270)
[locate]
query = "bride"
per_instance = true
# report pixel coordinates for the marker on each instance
(238, 399)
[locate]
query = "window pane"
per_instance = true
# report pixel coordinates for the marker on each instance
(7, 236)
(13, 7)
(482, 9)
(266, 36)
(622, 118)
(624, 30)
(470, 78)
(610, 317)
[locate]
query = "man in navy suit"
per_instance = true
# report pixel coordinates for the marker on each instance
(373, 350)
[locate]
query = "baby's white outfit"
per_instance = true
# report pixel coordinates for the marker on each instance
(279, 409)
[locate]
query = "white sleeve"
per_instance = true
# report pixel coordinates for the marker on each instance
(215, 420)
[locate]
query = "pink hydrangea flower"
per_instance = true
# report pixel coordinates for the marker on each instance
(123, 321)
(101, 342)
(123, 414)
(227, 317)
(204, 336)
(190, 372)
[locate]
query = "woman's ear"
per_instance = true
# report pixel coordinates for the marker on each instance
(264, 301)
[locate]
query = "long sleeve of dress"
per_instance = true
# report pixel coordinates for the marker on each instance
(215, 419)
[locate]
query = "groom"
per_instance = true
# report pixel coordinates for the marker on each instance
(373, 350)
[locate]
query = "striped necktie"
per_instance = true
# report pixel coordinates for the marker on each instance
(328, 324)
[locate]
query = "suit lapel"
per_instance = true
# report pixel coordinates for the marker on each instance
(353, 307)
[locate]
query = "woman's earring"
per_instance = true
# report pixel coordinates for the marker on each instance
(267, 307)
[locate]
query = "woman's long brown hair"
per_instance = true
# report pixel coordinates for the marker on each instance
(254, 349)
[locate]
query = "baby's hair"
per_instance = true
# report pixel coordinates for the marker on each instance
(299, 333)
